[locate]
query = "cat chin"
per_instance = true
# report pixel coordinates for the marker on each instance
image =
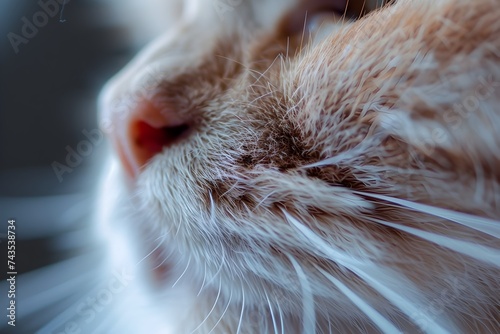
(439, 279)
(164, 276)
(168, 273)
(118, 220)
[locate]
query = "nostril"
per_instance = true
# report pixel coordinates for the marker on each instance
(174, 133)
(143, 129)
(148, 140)
(153, 139)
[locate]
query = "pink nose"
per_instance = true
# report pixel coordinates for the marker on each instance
(145, 132)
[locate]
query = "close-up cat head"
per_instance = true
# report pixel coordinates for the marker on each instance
(293, 166)
(306, 166)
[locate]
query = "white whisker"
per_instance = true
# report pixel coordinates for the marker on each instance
(282, 324)
(185, 270)
(304, 29)
(264, 199)
(379, 320)
(163, 261)
(203, 282)
(162, 237)
(478, 252)
(347, 155)
(261, 97)
(406, 300)
(242, 310)
(212, 309)
(223, 313)
(485, 225)
(221, 264)
(309, 313)
(272, 314)
(322, 246)
(212, 210)
(268, 68)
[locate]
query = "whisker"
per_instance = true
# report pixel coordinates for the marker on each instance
(282, 324)
(203, 282)
(272, 314)
(212, 212)
(303, 34)
(248, 68)
(242, 310)
(261, 97)
(162, 237)
(346, 155)
(379, 320)
(334, 254)
(167, 257)
(223, 313)
(264, 199)
(478, 252)
(212, 309)
(268, 68)
(406, 300)
(309, 314)
(221, 264)
(403, 302)
(485, 225)
(184, 272)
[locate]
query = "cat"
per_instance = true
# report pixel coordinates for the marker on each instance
(293, 166)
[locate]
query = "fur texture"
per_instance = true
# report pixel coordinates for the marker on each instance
(340, 179)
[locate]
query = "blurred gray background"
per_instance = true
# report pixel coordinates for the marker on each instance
(48, 91)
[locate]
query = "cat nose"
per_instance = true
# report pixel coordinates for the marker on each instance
(145, 131)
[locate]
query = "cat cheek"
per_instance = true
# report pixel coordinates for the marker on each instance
(145, 131)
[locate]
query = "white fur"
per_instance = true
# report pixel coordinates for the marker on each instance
(272, 263)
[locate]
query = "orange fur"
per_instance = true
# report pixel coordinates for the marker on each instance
(353, 142)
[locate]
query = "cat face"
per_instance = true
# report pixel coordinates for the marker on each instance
(337, 173)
